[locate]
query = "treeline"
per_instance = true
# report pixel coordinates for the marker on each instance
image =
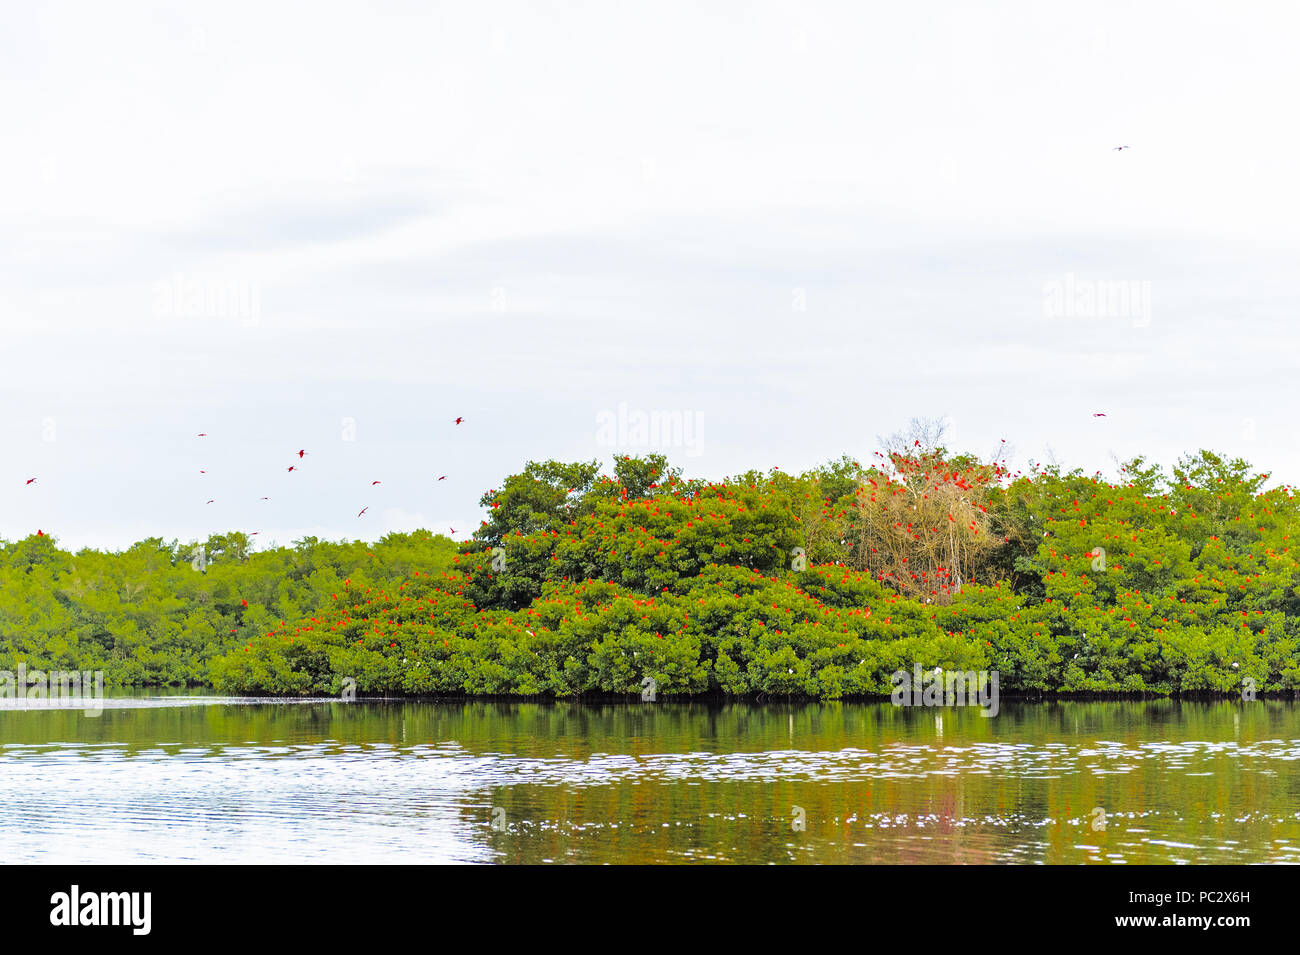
(159, 613)
(821, 585)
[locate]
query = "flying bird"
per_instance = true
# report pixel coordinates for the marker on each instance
(31, 480)
(459, 420)
(212, 500)
(266, 498)
(453, 530)
(1120, 148)
(443, 478)
(362, 511)
(300, 454)
(373, 483)
(1099, 414)
(292, 468)
(202, 434)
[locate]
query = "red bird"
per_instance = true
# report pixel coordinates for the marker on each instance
(443, 478)
(362, 511)
(292, 468)
(212, 500)
(373, 483)
(459, 420)
(39, 532)
(203, 434)
(1099, 414)
(300, 454)
(244, 602)
(31, 480)
(453, 530)
(266, 498)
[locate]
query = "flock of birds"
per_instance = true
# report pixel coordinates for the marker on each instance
(302, 453)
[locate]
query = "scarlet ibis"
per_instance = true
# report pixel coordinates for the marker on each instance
(212, 500)
(1099, 414)
(443, 478)
(459, 420)
(203, 434)
(300, 454)
(31, 480)
(292, 468)
(362, 511)
(1121, 148)
(373, 483)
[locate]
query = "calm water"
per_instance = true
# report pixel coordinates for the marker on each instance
(189, 778)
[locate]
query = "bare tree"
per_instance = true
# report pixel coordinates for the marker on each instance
(921, 434)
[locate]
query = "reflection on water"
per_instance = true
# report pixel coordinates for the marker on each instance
(194, 778)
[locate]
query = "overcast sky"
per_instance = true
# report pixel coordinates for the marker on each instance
(337, 227)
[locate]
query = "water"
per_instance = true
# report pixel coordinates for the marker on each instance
(187, 778)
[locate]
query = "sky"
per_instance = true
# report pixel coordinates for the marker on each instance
(773, 231)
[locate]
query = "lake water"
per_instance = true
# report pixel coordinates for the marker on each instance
(187, 778)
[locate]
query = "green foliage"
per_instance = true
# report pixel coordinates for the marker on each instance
(580, 583)
(161, 614)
